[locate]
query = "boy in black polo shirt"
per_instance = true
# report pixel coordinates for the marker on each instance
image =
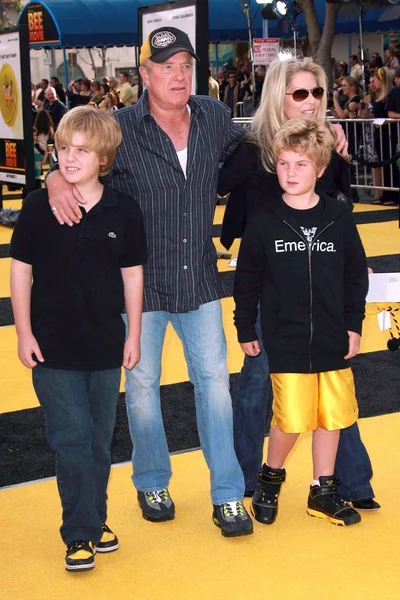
(69, 325)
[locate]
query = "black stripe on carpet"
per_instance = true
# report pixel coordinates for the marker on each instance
(6, 313)
(4, 249)
(25, 455)
(376, 216)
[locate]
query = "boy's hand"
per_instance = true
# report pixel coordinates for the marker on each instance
(63, 198)
(131, 353)
(251, 348)
(354, 344)
(27, 345)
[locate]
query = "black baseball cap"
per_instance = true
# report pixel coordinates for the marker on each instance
(164, 42)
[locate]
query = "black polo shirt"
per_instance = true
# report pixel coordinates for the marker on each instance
(78, 291)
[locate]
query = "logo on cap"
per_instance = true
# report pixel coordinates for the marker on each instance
(163, 39)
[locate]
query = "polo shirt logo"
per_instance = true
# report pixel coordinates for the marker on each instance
(112, 235)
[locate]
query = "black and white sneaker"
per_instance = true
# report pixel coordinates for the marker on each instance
(108, 541)
(157, 505)
(80, 556)
(233, 519)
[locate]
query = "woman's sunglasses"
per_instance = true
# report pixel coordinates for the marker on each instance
(301, 94)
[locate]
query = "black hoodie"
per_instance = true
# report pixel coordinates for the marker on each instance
(311, 294)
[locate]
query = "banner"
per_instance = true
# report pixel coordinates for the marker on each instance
(15, 113)
(265, 50)
(41, 25)
(182, 15)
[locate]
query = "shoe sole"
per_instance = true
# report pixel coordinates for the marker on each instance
(320, 515)
(108, 549)
(77, 568)
(367, 510)
(233, 533)
(259, 520)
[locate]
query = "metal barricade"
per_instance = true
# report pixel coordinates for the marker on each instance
(369, 145)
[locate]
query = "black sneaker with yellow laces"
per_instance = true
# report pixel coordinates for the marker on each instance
(108, 541)
(324, 502)
(80, 556)
(233, 519)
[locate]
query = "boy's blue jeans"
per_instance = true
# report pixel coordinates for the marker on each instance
(204, 345)
(353, 466)
(79, 410)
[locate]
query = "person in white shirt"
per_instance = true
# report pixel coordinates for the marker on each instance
(356, 68)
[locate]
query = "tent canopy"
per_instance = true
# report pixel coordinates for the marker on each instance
(80, 23)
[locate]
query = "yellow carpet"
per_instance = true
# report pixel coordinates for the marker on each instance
(298, 558)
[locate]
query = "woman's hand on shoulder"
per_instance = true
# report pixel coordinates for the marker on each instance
(341, 145)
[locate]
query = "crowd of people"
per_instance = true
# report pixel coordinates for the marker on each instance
(374, 96)
(299, 291)
(50, 102)
(235, 85)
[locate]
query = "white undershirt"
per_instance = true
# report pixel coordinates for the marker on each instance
(182, 154)
(182, 157)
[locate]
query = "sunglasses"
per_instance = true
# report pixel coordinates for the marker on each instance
(301, 94)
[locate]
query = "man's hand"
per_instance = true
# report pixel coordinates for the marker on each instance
(251, 348)
(27, 345)
(63, 198)
(354, 344)
(131, 353)
(341, 144)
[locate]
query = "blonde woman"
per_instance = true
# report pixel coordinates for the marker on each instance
(380, 83)
(354, 94)
(291, 89)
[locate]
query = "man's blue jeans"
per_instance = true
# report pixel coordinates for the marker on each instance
(203, 339)
(353, 466)
(79, 410)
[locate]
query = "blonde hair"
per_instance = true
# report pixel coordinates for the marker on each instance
(305, 137)
(384, 75)
(101, 131)
(270, 115)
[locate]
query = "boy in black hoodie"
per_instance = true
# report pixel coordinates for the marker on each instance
(302, 258)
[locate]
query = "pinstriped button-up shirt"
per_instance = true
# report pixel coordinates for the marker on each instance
(181, 271)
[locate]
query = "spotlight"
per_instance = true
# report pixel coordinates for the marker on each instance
(394, 1)
(280, 8)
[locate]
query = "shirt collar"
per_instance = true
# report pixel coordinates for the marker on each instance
(108, 198)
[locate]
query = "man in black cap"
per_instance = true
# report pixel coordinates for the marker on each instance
(168, 161)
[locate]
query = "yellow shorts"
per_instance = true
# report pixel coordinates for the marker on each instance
(304, 402)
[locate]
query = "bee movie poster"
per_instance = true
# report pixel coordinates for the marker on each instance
(12, 146)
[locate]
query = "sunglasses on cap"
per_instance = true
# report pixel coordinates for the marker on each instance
(302, 94)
